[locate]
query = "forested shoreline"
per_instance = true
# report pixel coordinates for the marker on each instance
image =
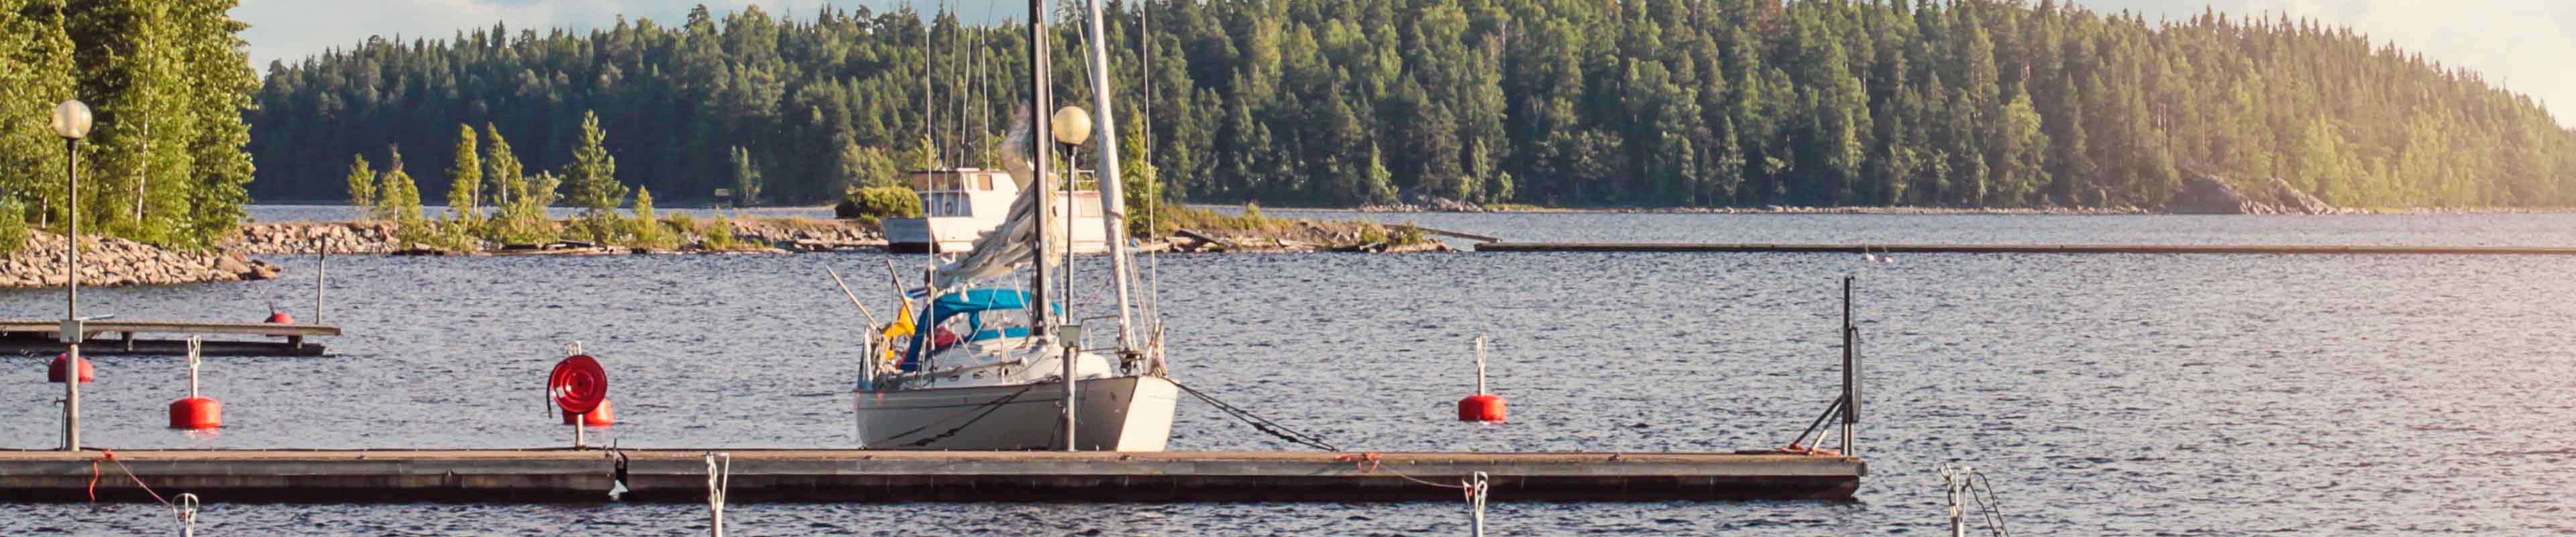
(1650, 103)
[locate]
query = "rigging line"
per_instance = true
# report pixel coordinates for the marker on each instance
(926, 55)
(987, 408)
(1257, 422)
(957, 49)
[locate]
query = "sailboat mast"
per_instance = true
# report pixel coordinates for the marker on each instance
(1113, 202)
(1040, 324)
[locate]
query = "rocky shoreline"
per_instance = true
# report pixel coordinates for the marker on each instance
(748, 235)
(108, 261)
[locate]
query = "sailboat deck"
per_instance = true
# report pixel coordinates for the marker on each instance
(548, 476)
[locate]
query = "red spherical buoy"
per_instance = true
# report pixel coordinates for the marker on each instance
(1484, 407)
(54, 371)
(599, 416)
(280, 317)
(196, 414)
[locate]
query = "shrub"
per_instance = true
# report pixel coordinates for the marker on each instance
(13, 225)
(645, 231)
(719, 235)
(879, 202)
(1407, 234)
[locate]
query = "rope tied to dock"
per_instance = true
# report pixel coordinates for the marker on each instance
(1257, 422)
(110, 456)
(1370, 462)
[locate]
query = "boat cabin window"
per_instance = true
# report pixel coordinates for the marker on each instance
(946, 204)
(1086, 205)
(983, 181)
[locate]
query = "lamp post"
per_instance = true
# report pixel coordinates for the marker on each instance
(71, 120)
(1069, 126)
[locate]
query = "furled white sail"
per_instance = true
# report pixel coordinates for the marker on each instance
(1011, 244)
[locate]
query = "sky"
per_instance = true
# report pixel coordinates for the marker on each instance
(2529, 46)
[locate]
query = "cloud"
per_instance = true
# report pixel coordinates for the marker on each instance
(2525, 46)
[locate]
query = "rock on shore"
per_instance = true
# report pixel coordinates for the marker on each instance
(113, 261)
(2211, 194)
(377, 237)
(315, 237)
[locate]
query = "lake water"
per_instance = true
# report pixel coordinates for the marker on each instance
(2104, 395)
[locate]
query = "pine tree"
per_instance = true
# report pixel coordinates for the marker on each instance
(502, 170)
(465, 180)
(592, 178)
(362, 185)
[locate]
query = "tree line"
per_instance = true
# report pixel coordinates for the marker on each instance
(1985, 103)
(168, 82)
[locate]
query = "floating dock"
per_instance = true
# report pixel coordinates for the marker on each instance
(2024, 248)
(118, 337)
(556, 476)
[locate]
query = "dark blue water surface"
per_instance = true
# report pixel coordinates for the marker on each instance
(2104, 395)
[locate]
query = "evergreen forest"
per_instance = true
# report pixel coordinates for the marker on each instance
(1651, 103)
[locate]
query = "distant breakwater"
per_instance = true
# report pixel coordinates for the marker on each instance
(744, 235)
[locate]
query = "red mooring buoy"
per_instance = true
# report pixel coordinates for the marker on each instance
(196, 413)
(54, 371)
(1481, 407)
(280, 317)
(601, 416)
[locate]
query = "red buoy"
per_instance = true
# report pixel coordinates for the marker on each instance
(599, 416)
(280, 317)
(1483, 407)
(54, 371)
(196, 414)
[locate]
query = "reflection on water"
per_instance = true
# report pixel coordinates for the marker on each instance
(2188, 394)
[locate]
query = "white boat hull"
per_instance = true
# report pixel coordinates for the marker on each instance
(1116, 414)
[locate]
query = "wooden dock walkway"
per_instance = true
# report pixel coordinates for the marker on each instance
(39, 336)
(523, 476)
(2026, 248)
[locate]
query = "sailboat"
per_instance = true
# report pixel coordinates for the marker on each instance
(985, 364)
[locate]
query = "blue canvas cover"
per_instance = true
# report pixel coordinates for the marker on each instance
(969, 303)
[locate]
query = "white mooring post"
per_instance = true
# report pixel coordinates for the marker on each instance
(1480, 364)
(1957, 480)
(719, 476)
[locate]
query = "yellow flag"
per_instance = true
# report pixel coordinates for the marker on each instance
(902, 325)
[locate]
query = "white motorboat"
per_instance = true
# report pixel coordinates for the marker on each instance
(959, 205)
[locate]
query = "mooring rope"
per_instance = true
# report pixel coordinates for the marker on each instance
(110, 456)
(1259, 423)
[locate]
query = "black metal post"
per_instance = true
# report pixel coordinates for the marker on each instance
(1851, 371)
